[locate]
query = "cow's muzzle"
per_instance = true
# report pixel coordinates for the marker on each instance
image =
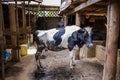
(90, 45)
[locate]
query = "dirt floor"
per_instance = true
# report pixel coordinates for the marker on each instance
(56, 68)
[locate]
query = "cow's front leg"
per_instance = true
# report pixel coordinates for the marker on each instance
(76, 54)
(71, 59)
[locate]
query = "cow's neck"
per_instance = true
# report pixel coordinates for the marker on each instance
(79, 43)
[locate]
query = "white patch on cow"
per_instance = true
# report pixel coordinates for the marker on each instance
(47, 35)
(88, 29)
(51, 33)
(44, 52)
(41, 32)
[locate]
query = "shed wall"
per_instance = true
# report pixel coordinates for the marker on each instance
(47, 22)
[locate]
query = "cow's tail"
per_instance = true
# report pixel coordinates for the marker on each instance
(34, 39)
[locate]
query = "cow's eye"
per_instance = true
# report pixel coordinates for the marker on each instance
(86, 36)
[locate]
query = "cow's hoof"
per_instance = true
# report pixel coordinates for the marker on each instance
(72, 69)
(42, 57)
(39, 73)
(41, 69)
(73, 65)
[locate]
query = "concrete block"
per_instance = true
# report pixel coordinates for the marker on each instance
(86, 52)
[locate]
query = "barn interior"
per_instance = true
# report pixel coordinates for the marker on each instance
(19, 22)
(90, 13)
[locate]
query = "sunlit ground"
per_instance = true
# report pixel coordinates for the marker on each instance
(31, 50)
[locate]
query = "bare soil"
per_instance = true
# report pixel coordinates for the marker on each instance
(56, 66)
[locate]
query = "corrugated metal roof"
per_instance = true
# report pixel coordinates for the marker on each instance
(35, 2)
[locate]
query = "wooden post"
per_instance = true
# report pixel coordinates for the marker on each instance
(77, 52)
(78, 19)
(17, 25)
(12, 20)
(29, 13)
(1, 42)
(112, 40)
(82, 19)
(23, 14)
(29, 25)
(65, 20)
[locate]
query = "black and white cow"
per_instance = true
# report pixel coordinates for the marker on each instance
(71, 37)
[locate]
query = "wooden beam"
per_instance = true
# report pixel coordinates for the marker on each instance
(113, 17)
(84, 5)
(74, 2)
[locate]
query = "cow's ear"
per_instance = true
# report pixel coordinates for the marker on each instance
(81, 31)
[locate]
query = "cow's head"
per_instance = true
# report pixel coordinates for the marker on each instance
(85, 34)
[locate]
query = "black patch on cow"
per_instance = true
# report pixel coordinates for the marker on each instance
(74, 40)
(57, 36)
(35, 33)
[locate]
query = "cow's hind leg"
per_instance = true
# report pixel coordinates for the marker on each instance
(71, 59)
(37, 57)
(44, 54)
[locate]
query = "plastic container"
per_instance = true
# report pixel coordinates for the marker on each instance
(24, 48)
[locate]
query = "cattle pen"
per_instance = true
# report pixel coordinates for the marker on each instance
(20, 18)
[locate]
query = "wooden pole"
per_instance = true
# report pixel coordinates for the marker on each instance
(17, 25)
(29, 26)
(12, 20)
(1, 42)
(77, 22)
(65, 19)
(112, 40)
(23, 14)
(77, 19)
(29, 13)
